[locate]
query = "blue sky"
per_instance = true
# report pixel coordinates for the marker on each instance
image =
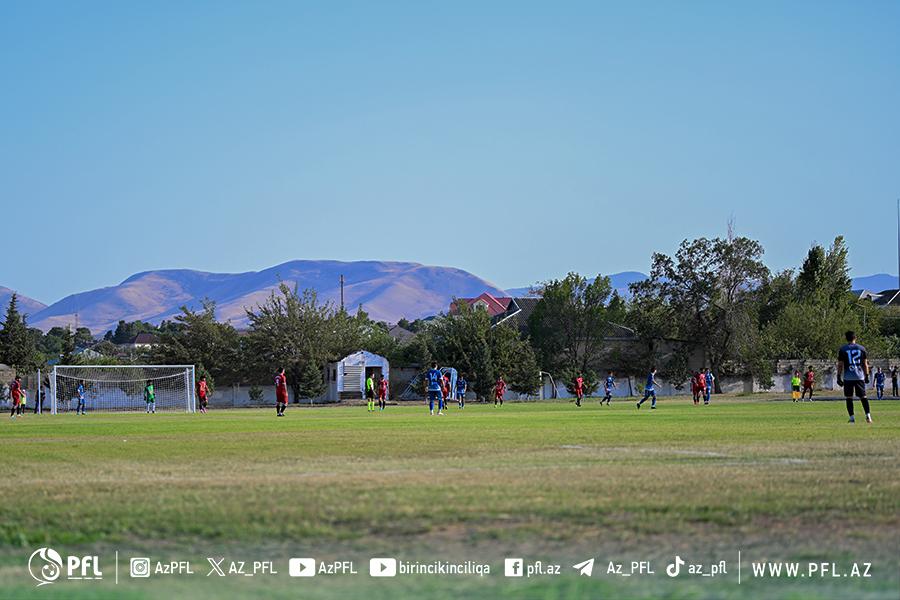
(517, 140)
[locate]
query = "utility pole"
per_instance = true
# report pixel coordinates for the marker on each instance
(898, 243)
(342, 277)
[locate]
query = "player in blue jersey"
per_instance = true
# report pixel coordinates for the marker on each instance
(853, 374)
(650, 389)
(80, 391)
(435, 380)
(879, 383)
(608, 387)
(709, 385)
(462, 387)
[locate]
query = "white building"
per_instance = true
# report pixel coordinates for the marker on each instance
(347, 377)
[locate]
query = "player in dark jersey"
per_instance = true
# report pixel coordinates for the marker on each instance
(879, 383)
(461, 387)
(609, 385)
(650, 389)
(435, 382)
(853, 374)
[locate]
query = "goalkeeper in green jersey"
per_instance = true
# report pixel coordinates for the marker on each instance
(370, 392)
(150, 397)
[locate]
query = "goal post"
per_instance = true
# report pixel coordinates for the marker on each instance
(121, 388)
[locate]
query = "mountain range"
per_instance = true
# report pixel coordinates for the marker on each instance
(388, 291)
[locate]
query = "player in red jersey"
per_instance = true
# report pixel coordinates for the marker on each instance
(382, 393)
(203, 393)
(809, 380)
(701, 387)
(579, 390)
(15, 394)
(499, 390)
(281, 393)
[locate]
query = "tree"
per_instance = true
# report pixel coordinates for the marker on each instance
(293, 331)
(467, 341)
(514, 359)
(709, 296)
(17, 345)
(199, 339)
(126, 331)
(569, 324)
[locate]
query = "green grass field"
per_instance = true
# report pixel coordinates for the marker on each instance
(545, 481)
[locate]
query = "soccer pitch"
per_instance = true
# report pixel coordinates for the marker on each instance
(771, 479)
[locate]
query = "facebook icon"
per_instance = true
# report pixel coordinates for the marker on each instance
(513, 567)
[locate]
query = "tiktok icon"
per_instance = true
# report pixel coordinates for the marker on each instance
(675, 568)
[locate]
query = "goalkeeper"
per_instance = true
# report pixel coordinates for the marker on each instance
(150, 398)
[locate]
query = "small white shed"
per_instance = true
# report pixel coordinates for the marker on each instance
(347, 377)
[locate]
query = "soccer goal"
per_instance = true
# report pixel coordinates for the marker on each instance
(121, 388)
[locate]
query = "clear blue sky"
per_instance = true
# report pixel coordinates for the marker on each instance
(517, 140)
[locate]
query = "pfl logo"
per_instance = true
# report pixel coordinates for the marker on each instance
(46, 565)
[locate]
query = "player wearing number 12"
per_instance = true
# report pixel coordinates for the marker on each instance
(853, 374)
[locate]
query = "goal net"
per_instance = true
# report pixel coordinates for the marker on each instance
(121, 387)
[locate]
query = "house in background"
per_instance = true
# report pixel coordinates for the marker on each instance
(501, 309)
(142, 341)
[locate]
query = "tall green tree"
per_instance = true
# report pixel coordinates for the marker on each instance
(17, 345)
(710, 294)
(467, 341)
(198, 338)
(294, 331)
(569, 324)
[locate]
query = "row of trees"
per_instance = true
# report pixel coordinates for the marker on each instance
(714, 300)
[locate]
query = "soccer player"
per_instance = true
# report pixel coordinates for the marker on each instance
(609, 385)
(382, 392)
(879, 383)
(853, 374)
(499, 390)
(795, 386)
(80, 391)
(809, 380)
(650, 389)
(150, 398)
(695, 387)
(445, 390)
(461, 387)
(370, 392)
(435, 380)
(579, 390)
(15, 395)
(709, 379)
(894, 381)
(701, 386)
(203, 393)
(281, 392)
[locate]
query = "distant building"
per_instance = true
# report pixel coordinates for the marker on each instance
(513, 310)
(883, 298)
(142, 341)
(400, 334)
